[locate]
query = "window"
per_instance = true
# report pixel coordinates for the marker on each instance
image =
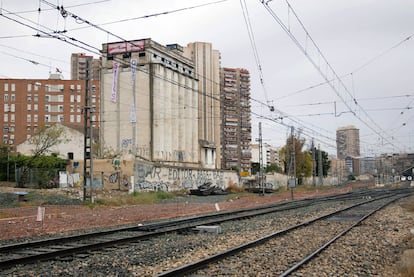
(47, 118)
(47, 108)
(13, 87)
(6, 117)
(5, 139)
(60, 98)
(13, 97)
(28, 128)
(61, 118)
(6, 87)
(35, 107)
(6, 108)
(78, 118)
(35, 98)
(78, 98)
(78, 109)
(11, 129)
(47, 98)
(93, 89)
(13, 108)
(29, 98)
(35, 118)
(72, 98)
(78, 87)
(72, 118)
(5, 129)
(29, 87)
(36, 87)
(72, 108)
(93, 99)
(60, 108)
(72, 88)
(6, 98)
(12, 117)
(29, 118)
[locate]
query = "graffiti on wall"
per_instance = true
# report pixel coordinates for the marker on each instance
(126, 143)
(150, 177)
(113, 178)
(143, 151)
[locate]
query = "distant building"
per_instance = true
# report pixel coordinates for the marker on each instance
(27, 104)
(235, 115)
(368, 165)
(347, 142)
(270, 154)
(339, 169)
(78, 67)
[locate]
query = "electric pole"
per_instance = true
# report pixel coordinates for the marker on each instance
(320, 171)
(292, 164)
(313, 164)
(88, 137)
(261, 159)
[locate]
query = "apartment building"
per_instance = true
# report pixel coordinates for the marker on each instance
(79, 69)
(236, 121)
(270, 154)
(27, 104)
(347, 142)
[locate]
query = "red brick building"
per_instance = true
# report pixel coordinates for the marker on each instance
(27, 104)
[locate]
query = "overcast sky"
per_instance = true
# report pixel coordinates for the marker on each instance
(367, 43)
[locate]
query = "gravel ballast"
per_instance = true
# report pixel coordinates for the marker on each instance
(372, 249)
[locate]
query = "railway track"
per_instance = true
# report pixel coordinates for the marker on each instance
(56, 248)
(266, 252)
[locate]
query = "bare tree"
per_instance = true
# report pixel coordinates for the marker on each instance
(43, 141)
(46, 138)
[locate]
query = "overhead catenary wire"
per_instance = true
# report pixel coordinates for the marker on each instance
(95, 50)
(378, 130)
(369, 62)
(252, 40)
(64, 38)
(151, 15)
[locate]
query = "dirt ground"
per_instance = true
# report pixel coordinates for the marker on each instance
(34, 220)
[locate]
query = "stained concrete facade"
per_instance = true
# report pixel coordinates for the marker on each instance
(150, 109)
(207, 69)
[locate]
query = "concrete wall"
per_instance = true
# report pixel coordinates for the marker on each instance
(154, 177)
(145, 176)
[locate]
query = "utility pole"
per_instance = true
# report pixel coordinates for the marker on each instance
(313, 164)
(88, 137)
(320, 173)
(292, 164)
(261, 159)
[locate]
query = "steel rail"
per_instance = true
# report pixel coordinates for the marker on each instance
(63, 246)
(68, 245)
(341, 234)
(192, 267)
